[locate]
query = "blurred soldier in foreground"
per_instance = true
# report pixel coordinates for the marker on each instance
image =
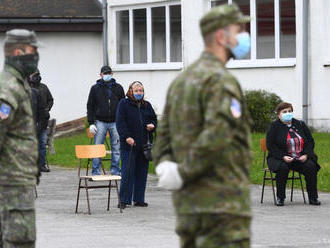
(18, 141)
(203, 147)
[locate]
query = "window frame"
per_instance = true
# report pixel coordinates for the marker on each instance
(277, 61)
(168, 65)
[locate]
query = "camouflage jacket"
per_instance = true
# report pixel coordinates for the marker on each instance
(18, 142)
(206, 130)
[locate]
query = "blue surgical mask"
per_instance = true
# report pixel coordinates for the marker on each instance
(138, 97)
(107, 77)
(243, 45)
(287, 117)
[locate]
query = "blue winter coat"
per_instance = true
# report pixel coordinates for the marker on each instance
(132, 120)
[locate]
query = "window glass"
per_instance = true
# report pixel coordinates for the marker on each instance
(288, 29)
(158, 34)
(140, 35)
(265, 29)
(122, 20)
(175, 35)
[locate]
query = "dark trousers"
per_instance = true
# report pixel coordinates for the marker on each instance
(308, 169)
(134, 176)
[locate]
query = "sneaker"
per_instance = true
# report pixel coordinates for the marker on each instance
(44, 168)
(140, 204)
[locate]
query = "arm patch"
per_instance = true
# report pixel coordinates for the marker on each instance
(5, 110)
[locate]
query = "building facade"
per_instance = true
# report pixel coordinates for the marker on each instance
(153, 40)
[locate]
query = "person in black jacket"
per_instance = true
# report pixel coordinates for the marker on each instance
(46, 103)
(291, 146)
(102, 104)
(136, 120)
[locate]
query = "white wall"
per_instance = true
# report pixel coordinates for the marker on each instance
(69, 65)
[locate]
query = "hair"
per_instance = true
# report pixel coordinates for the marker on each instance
(129, 92)
(283, 105)
(9, 48)
(209, 38)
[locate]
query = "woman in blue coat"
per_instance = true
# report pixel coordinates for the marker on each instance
(135, 121)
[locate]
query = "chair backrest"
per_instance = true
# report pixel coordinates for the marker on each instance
(90, 151)
(263, 146)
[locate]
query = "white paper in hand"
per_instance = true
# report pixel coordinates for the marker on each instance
(169, 177)
(92, 129)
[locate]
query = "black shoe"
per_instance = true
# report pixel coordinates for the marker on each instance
(279, 202)
(140, 204)
(44, 169)
(123, 205)
(315, 202)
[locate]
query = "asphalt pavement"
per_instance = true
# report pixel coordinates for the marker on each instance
(294, 225)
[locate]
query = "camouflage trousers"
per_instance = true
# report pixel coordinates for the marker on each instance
(17, 217)
(213, 231)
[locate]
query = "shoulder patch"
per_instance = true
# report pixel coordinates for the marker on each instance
(5, 110)
(235, 108)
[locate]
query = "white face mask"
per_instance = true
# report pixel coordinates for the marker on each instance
(243, 45)
(107, 77)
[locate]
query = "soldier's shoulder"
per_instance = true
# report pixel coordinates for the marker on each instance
(10, 88)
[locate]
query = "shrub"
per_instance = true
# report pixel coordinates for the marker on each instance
(261, 105)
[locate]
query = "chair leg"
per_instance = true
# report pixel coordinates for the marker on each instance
(302, 188)
(78, 195)
(273, 179)
(119, 201)
(292, 185)
(86, 184)
(263, 187)
(109, 195)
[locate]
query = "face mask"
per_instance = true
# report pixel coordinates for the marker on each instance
(287, 117)
(243, 45)
(26, 64)
(107, 77)
(138, 97)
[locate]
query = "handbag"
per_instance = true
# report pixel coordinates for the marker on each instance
(147, 150)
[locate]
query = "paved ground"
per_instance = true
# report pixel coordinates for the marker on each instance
(294, 225)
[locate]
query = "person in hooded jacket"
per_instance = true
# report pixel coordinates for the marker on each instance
(103, 100)
(136, 121)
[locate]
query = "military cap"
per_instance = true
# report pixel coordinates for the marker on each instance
(22, 36)
(220, 17)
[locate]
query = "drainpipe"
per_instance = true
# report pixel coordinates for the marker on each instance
(105, 32)
(305, 61)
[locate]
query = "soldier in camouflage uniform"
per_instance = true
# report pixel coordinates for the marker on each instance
(206, 130)
(18, 142)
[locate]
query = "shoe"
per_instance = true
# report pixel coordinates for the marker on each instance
(44, 169)
(314, 201)
(279, 202)
(123, 205)
(140, 204)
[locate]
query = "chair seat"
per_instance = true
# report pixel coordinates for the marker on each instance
(102, 177)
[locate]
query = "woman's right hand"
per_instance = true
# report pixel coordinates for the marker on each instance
(130, 141)
(287, 159)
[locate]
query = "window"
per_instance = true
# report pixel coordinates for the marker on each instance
(272, 30)
(149, 37)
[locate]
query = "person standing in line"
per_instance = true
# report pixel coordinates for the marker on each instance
(102, 104)
(18, 141)
(203, 143)
(136, 121)
(46, 102)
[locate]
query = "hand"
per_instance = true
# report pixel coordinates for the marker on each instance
(130, 141)
(303, 158)
(169, 177)
(150, 127)
(287, 159)
(92, 129)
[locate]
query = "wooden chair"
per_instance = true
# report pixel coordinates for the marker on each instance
(88, 152)
(271, 178)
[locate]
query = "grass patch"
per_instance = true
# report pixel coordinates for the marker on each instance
(65, 156)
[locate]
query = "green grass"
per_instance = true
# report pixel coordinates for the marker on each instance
(65, 156)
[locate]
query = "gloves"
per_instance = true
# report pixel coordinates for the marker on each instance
(169, 177)
(92, 129)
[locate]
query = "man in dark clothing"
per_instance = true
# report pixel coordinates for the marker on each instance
(46, 102)
(103, 100)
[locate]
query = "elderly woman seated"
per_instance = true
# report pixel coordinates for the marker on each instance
(291, 147)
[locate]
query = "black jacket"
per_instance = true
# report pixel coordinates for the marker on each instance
(132, 120)
(46, 102)
(99, 106)
(37, 109)
(276, 142)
